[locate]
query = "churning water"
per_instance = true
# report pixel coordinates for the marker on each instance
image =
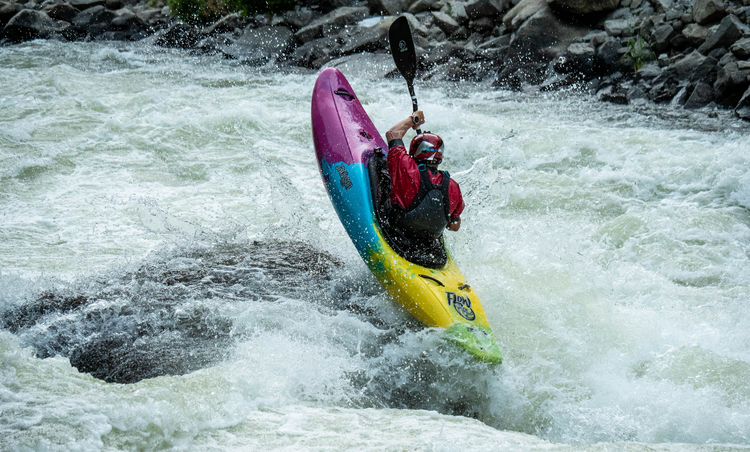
(173, 276)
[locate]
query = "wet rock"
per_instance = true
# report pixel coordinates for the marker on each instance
(485, 8)
(649, 71)
(82, 5)
(661, 37)
(421, 6)
(702, 95)
(706, 11)
(685, 67)
(299, 18)
(332, 22)
(539, 41)
(179, 35)
(581, 57)
(695, 34)
(374, 66)
(445, 22)
(743, 106)
(93, 21)
(741, 49)
(368, 39)
(7, 11)
(483, 25)
(664, 90)
(29, 24)
(522, 12)
(386, 7)
(113, 4)
(127, 21)
(730, 30)
(613, 94)
(609, 57)
(259, 45)
(60, 11)
(731, 81)
(583, 6)
(313, 54)
(228, 23)
(618, 27)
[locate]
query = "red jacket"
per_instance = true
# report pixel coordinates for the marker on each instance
(405, 179)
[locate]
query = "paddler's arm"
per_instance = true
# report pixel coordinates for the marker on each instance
(454, 224)
(398, 131)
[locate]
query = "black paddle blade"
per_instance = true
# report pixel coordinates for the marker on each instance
(402, 48)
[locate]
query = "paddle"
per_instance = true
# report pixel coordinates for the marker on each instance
(404, 55)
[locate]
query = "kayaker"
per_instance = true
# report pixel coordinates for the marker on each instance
(424, 200)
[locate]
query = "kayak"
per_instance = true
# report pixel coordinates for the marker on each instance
(352, 160)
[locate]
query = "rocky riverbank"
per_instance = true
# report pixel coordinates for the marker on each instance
(690, 54)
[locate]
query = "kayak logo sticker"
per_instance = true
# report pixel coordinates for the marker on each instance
(402, 46)
(461, 304)
(345, 181)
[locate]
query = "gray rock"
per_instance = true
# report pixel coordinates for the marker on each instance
(445, 22)
(29, 24)
(179, 35)
(706, 11)
(113, 4)
(7, 11)
(609, 56)
(388, 7)
(258, 46)
(693, 66)
(314, 54)
(581, 57)
(583, 6)
(368, 39)
(93, 21)
(741, 49)
(127, 20)
(742, 110)
(661, 37)
(730, 82)
(457, 10)
(372, 66)
(617, 27)
(299, 17)
(702, 95)
(695, 34)
(230, 22)
(664, 91)
(730, 30)
(520, 13)
(332, 22)
(417, 29)
(421, 6)
(86, 4)
(485, 8)
(649, 71)
(60, 11)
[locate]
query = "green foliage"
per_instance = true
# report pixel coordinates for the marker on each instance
(638, 53)
(204, 11)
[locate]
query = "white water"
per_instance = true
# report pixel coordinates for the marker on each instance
(610, 247)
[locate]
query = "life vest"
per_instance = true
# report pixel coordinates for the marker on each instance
(429, 213)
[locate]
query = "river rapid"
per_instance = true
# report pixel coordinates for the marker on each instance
(173, 275)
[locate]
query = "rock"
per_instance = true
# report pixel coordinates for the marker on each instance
(617, 27)
(93, 21)
(179, 35)
(445, 22)
(485, 8)
(373, 66)
(664, 90)
(613, 95)
(60, 11)
(387, 7)
(581, 57)
(228, 23)
(417, 29)
(421, 6)
(483, 25)
(368, 39)
(440, 54)
(539, 41)
(29, 24)
(583, 6)
(661, 37)
(649, 71)
(314, 54)
(706, 11)
(609, 57)
(82, 5)
(702, 95)
(730, 30)
(127, 21)
(260, 45)
(730, 82)
(741, 49)
(299, 17)
(522, 12)
(742, 110)
(332, 22)
(693, 66)
(113, 4)
(7, 11)
(695, 34)
(457, 10)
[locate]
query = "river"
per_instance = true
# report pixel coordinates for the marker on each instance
(173, 275)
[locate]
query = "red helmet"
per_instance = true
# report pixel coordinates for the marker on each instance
(427, 146)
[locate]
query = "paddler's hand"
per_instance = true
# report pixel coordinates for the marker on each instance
(454, 225)
(398, 131)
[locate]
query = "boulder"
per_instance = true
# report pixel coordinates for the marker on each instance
(299, 18)
(228, 23)
(93, 21)
(81, 5)
(314, 54)
(60, 11)
(522, 12)
(730, 30)
(702, 95)
(368, 39)
(741, 49)
(257, 46)
(421, 6)
(126, 20)
(179, 35)
(618, 27)
(332, 22)
(457, 10)
(485, 8)
(581, 7)
(373, 66)
(7, 11)
(386, 7)
(692, 67)
(580, 57)
(664, 90)
(742, 110)
(445, 22)
(661, 37)
(609, 57)
(731, 81)
(706, 11)
(539, 41)
(29, 24)
(695, 34)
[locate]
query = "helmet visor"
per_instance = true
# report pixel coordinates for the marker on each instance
(428, 151)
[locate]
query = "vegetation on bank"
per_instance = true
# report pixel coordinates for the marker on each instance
(204, 11)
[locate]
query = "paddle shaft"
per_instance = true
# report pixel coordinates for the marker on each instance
(404, 55)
